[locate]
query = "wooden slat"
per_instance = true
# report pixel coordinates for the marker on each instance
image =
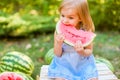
(104, 73)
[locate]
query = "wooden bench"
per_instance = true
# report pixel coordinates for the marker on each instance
(104, 73)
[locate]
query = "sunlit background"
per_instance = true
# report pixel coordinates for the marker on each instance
(28, 26)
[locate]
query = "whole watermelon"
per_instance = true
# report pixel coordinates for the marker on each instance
(49, 56)
(14, 76)
(106, 62)
(16, 62)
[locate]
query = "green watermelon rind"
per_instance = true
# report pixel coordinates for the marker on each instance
(49, 56)
(68, 42)
(16, 62)
(106, 62)
(27, 77)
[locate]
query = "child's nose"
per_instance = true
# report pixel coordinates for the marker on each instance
(65, 21)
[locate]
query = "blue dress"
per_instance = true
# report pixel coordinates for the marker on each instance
(72, 66)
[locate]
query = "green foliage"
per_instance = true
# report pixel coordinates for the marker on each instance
(15, 25)
(105, 14)
(42, 6)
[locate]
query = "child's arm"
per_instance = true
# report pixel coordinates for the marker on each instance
(58, 41)
(85, 51)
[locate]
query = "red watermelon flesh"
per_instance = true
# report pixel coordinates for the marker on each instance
(10, 76)
(72, 34)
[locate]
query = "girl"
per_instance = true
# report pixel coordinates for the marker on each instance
(73, 62)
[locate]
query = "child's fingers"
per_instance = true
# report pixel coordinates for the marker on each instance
(61, 37)
(79, 42)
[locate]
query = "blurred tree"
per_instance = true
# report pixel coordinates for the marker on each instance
(24, 6)
(105, 13)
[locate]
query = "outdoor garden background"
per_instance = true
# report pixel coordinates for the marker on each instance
(27, 26)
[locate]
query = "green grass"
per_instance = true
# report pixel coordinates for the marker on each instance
(35, 48)
(105, 45)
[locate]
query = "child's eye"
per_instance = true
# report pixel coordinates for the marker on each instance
(62, 15)
(70, 17)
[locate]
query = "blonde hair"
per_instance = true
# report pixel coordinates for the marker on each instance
(81, 6)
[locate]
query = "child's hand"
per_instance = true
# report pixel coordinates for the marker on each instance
(79, 47)
(59, 38)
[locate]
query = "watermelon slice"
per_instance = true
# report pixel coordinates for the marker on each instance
(14, 76)
(72, 34)
(10, 76)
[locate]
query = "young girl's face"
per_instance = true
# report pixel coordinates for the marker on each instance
(69, 17)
